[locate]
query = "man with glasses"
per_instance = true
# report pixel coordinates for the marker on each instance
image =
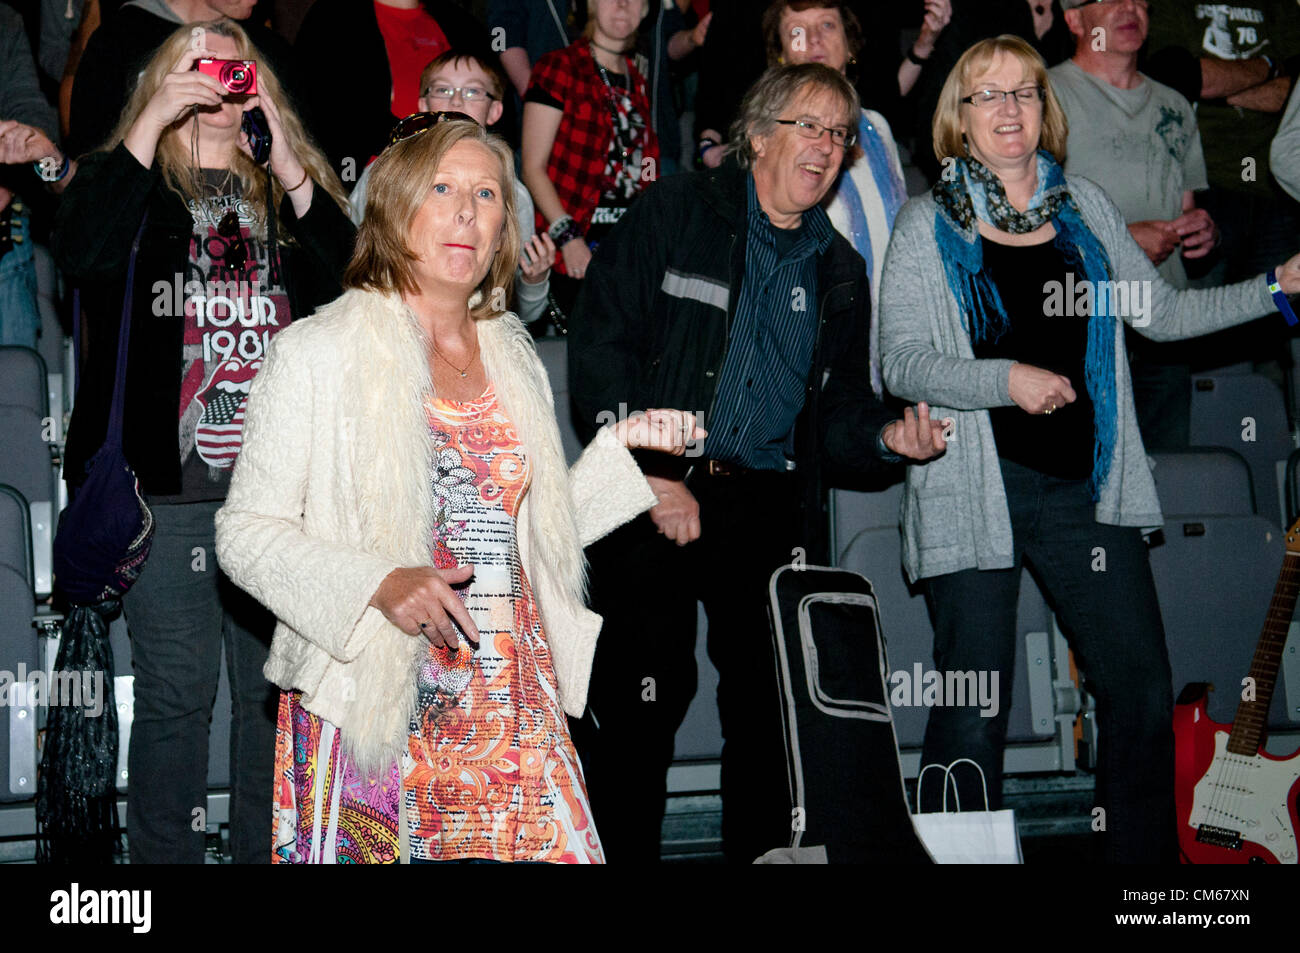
(729, 293)
(462, 83)
(1138, 140)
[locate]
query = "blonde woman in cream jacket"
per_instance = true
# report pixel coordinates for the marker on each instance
(380, 439)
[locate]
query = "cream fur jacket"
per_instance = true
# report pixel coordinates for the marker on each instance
(332, 490)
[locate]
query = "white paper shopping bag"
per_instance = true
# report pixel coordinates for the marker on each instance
(967, 837)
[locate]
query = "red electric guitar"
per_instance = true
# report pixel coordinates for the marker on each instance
(1236, 803)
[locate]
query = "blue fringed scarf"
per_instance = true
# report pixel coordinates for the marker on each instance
(893, 193)
(969, 191)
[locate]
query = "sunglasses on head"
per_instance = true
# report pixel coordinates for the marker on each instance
(236, 253)
(417, 123)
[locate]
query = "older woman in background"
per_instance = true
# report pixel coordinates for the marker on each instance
(1046, 464)
(869, 192)
(403, 506)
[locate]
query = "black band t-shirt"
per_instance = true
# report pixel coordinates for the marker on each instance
(231, 314)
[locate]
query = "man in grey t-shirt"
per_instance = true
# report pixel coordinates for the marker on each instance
(1137, 139)
(1134, 137)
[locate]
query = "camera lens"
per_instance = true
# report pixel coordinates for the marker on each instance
(236, 77)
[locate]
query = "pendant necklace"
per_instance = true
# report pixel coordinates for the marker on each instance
(463, 371)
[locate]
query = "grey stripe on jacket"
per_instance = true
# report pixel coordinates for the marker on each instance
(954, 513)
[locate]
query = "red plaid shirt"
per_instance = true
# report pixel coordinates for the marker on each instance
(582, 143)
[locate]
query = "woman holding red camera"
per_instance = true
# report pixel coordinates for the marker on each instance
(226, 254)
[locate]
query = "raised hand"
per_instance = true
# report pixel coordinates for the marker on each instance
(916, 436)
(1288, 276)
(20, 143)
(670, 431)
(536, 258)
(181, 90)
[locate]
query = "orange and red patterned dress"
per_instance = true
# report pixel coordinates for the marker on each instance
(490, 772)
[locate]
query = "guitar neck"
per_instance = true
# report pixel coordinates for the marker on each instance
(1252, 711)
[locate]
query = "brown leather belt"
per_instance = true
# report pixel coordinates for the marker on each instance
(725, 469)
(721, 468)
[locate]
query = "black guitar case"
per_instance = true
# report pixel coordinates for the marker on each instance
(846, 782)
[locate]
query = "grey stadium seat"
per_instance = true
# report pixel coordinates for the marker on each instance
(700, 735)
(23, 380)
(1220, 404)
(27, 465)
(1292, 481)
(867, 541)
(1206, 481)
(1215, 577)
(19, 646)
(554, 353)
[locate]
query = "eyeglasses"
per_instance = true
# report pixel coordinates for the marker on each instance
(470, 94)
(996, 97)
(236, 253)
(810, 129)
(417, 123)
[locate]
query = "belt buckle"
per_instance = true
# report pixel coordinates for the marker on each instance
(719, 468)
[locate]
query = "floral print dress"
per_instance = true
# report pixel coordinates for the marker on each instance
(489, 771)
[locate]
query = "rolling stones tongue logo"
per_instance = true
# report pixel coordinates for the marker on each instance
(217, 436)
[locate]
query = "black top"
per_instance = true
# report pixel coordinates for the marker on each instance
(786, 238)
(1060, 443)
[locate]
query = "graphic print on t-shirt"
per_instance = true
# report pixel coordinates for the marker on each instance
(217, 434)
(231, 315)
(1233, 31)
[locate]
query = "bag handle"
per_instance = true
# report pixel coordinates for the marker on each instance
(939, 767)
(115, 414)
(948, 773)
(947, 778)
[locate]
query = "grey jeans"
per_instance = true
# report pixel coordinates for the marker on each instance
(179, 613)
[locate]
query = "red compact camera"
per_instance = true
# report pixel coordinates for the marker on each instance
(238, 76)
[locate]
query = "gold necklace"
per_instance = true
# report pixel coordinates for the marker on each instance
(464, 372)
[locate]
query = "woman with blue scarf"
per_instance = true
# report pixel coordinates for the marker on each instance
(1004, 292)
(865, 200)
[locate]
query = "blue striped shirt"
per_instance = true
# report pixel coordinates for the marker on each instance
(770, 348)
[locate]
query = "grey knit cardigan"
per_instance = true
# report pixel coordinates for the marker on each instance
(954, 512)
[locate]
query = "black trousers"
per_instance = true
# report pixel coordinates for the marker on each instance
(1098, 580)
(644, 675)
